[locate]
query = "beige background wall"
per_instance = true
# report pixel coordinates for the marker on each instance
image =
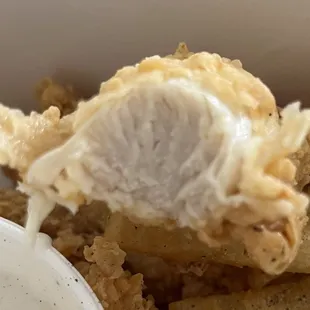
(85, 41)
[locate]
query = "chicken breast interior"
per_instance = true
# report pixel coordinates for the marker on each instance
(194, 142)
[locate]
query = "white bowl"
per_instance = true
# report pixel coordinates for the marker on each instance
(39, 278)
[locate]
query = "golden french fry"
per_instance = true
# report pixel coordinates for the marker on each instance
(280, 297)
(182, 245)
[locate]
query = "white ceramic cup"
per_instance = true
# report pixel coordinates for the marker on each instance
(39, 278)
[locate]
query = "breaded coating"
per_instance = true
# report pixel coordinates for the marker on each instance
(194, 142)
(116, 289)
(132, 260)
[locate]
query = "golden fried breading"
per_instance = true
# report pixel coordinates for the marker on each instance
(194, 143)
(183, 246)
(115, 288)
(182, 52)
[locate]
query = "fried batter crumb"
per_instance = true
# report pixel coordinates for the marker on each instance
(68, 243)
(182, 52)
(116, 289)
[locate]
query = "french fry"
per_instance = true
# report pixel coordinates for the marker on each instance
(280, 297)
(182, 245)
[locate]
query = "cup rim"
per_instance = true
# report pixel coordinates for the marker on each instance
(54, 258)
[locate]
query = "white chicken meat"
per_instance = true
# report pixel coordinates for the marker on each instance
(194, 142)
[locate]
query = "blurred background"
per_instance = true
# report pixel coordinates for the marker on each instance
(85, 42)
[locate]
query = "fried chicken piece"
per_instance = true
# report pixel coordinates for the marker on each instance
(116, 289)
(183, 246)
(191, 143)
(25, 138)
(50, 94)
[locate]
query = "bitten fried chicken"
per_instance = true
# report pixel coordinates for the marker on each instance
(178, 141)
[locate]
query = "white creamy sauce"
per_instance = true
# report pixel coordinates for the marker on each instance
(39, 207)
(31, 278)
